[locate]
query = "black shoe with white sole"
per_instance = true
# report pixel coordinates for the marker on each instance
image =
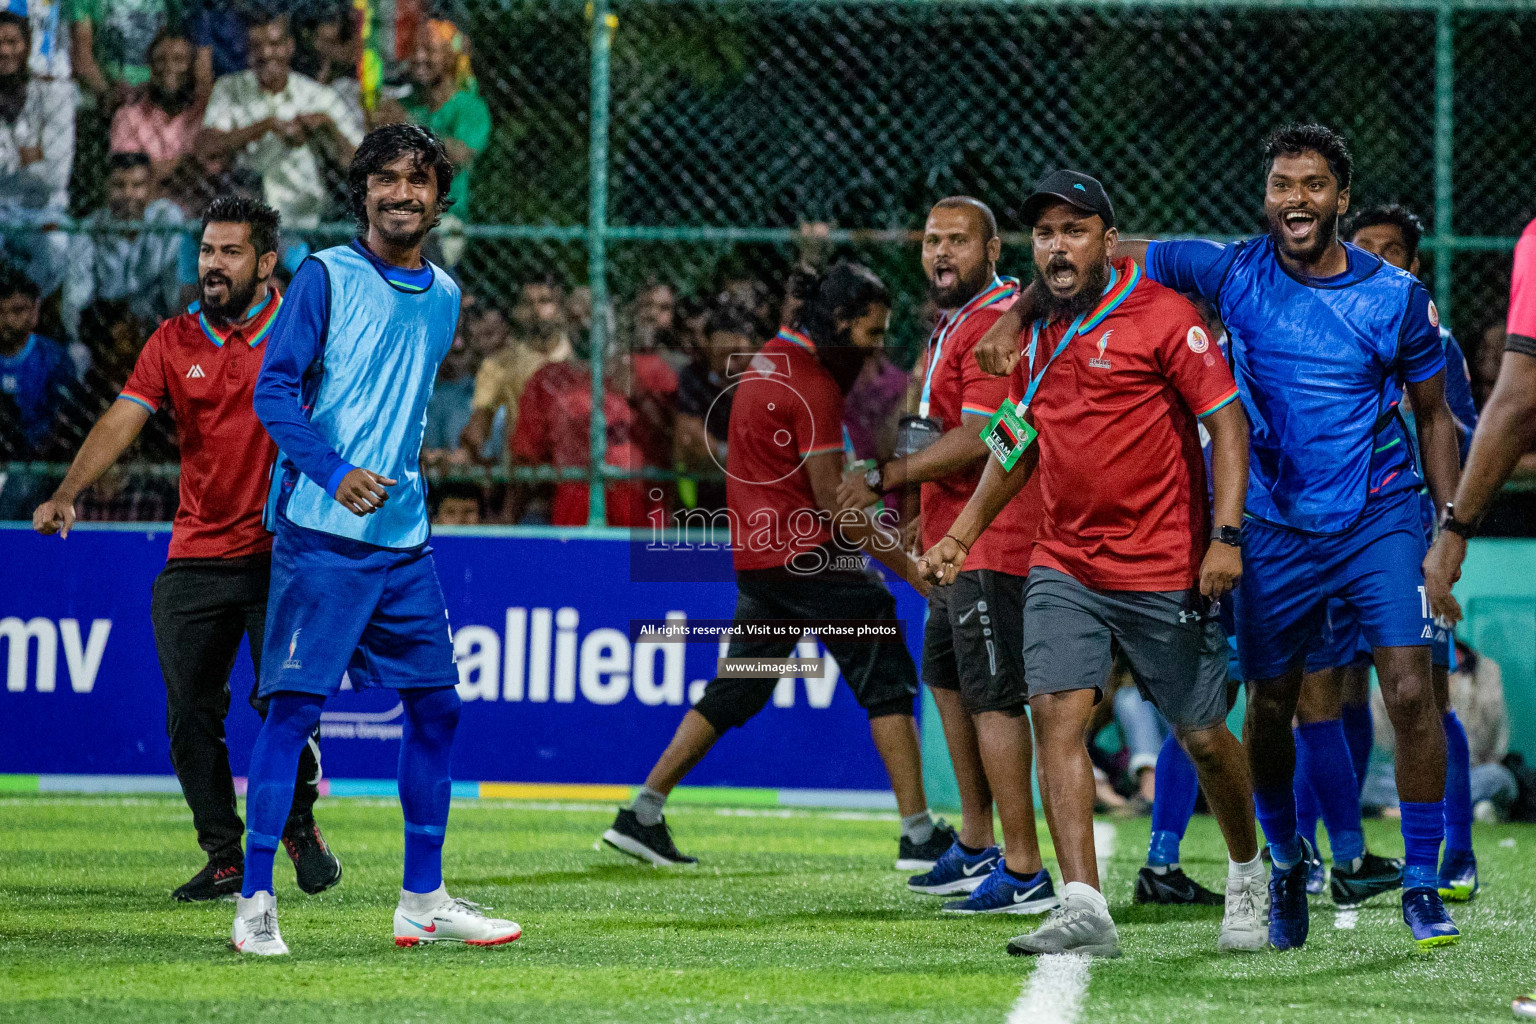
(650, 843)
(912, 856)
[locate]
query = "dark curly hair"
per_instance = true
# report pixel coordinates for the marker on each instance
(846, 291)
(264, 221)
(383, 146)
(1395, 214)
(1295, 139)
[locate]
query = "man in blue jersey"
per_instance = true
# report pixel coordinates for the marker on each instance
(1334, 706)
(343, 391)
(1321, 334)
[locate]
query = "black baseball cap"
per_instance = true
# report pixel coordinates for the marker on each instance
(1073, 187)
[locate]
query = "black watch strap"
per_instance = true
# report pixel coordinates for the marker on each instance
(1448, 521)
(1232, 535)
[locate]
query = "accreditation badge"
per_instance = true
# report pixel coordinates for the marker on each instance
(1007, 434)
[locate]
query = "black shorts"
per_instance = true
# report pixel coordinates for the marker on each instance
(881, 674)
(974, 642)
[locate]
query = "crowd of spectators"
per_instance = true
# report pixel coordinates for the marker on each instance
(121, 119)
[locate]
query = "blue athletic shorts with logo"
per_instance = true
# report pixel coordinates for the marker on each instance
(1289, 579)
(1345, 642)
(338, 606)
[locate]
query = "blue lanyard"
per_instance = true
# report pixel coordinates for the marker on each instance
(1034, 341)
(961, 315)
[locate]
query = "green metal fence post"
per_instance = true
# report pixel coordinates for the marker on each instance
(1445, 137)
(603, 24)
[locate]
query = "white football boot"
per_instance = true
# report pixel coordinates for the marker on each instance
(255, 929)
(450, 920)
(1245, 922)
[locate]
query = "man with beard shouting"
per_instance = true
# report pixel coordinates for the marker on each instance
(1117, 376)
(972, 648)
(213, 590)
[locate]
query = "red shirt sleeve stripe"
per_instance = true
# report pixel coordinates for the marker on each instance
(1203, 413)
(138, 399)
(978, 410)
(821, 451)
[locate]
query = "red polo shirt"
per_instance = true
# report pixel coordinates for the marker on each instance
(785, 410)
(1122, 479)
(958, 387)
(207, 375)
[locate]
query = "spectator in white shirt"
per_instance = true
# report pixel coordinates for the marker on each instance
(143, 268)
(281, 125)
(37, 146)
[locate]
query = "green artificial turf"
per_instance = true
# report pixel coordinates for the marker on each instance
(791, 917)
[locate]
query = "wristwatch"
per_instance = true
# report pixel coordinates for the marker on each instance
(874, 478)
(1448, 521)
(1231, 535)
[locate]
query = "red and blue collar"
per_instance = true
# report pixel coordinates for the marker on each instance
(794, 337)
(258, 320)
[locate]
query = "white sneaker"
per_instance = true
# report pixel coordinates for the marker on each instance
(452, 920)
(1245, 923)
(255, 929)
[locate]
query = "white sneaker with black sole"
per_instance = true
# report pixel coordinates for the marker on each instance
(650, 843)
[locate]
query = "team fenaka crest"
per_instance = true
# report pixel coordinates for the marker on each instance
(1434, 314)
(1197, 339)
(1100, 363)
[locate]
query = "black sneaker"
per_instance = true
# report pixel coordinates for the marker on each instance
(1375, 876)
(650, 843)
(912, 856)
(219, 879)
(316, 867)
(1173, 886)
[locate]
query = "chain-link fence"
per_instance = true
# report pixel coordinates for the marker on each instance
(649, 156)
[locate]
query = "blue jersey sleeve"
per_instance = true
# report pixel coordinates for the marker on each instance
(1419, 353)
(294, 351)
(1190, 265)
(1458, 391)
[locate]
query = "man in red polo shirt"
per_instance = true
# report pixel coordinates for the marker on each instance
(798, 557)
(214, 586)
(1117, 374)
(973, 660)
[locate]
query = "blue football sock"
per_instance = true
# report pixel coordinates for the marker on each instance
(1423, 828)
(1359, 734)
(1173, 802)
(1458, 787)
(291, 717)
(1322, 756)
(426, 744)
(1276, 807)
(1307, 811)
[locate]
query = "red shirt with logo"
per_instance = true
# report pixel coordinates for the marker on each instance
(1122, 480)
(786, 408)
(207, 375)
(959, 386)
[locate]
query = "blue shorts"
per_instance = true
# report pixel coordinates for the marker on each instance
(1344, 642)
(1289, 579)
(341, 606)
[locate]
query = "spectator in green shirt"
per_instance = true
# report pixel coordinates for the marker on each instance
(446, 99)
(110, 41)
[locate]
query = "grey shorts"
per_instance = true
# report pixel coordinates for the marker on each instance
(1176, 650)
(974, 641)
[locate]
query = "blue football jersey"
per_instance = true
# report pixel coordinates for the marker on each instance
(1317, 363)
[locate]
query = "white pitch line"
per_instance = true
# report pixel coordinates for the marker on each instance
(1054, 993)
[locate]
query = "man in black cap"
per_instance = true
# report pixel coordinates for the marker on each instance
(1116, 377)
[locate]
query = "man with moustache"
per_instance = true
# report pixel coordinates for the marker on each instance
(972, 647)
(344, 391)
(1321, 334)
(213, 590)
(1118, 376)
